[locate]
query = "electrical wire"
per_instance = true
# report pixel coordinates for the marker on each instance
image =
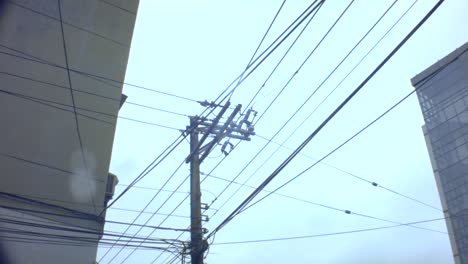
(45, 62)
(119, 7)
(266, 33)
(75, 214)
(243, 205)
(92, 94)
(249, 73)
(296, 129)
(355, 66)
(373, 183)
(51, 227)
(127, 46)
(328, 234)
(317, 9)
(50, 103)
(417, 86)
(146, 206)
(186, 197)
(78, 131)
(284, 125)
(41, 102)
(277, 45)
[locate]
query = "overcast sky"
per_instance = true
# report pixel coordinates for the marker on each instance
(196, 48)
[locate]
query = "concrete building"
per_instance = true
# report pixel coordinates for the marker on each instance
(62, 64)
(443, 95)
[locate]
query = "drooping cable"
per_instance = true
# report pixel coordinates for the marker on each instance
(243, 205)
(328, 234)
(53, 104)
(78, 130)
(317, 9)
(373, 183)
(419, 85)
(286, 85)
(315, 90)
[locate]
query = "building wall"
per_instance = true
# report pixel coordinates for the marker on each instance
(22, 243)
(56, 140)
(443, 95)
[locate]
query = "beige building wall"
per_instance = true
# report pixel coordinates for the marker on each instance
(61, 74)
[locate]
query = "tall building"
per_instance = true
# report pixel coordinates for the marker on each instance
(443, 96)
(62, 64)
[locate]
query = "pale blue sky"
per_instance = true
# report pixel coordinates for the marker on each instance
(196, 48)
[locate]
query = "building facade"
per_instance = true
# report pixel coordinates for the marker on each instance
(62, 67)
(442, 91)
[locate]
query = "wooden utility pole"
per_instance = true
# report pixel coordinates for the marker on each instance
(195, 198)
(198, 153)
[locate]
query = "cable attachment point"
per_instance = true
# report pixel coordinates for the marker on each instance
(223, 148)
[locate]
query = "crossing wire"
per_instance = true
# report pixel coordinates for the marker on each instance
(68, 24)
(373, 183)
(50, 227)
(243, 205)
(316, 9)
(280, 42)
(266, 33)
(321, 84)
(51, 104)
(144, 173)
(171, 213)
(417, 87)
(89, 75)
(78, 131)
(186, 197)
(310, 12)
(118, 100)
(252, 70)
(119, 7)
(328, 234)
(286, 85)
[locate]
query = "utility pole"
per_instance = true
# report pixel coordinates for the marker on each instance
(195, 198)
(198, 153)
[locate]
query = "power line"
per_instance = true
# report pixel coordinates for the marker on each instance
(233, 89)
(90, 75)
(171, 213)
(263, 38)
(146, 206)
(41, 102)
(326, 234)
(214, 168)
(421, 83)
(70, 172)
(48, 103)
(69, 24)
(92, 94)
(244, 78)
(75, 230)
(284, 125)
(119, 7)
(352, 70)
(266, 33)
(78, 131)
(280, 42)
(375, 184)
(243, 205)
(72, 212)
(316, 9)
